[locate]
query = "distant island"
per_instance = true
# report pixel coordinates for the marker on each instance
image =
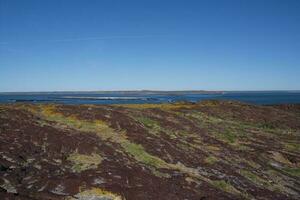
(126, 92)
(149, 92)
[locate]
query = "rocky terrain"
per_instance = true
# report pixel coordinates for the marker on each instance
(180, 151)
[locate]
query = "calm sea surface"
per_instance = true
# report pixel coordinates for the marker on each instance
(120, 98)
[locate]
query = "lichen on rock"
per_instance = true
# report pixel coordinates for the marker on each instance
(82, 162)
(95, 194)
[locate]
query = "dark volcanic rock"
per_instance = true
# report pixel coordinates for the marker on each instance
(207, 150)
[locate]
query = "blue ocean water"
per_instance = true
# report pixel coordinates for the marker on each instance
(121, 98)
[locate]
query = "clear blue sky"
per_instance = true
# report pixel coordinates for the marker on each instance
(50, 45)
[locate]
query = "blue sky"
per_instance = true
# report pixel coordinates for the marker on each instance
(55, 45)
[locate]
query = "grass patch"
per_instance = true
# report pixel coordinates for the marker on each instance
(252, 163)
(227, 136)
(226, 187)
(253, 178)
(160, 174)
(293, 171)
(267, 126)
(292, 146)
(82, 162)
(211, 160)
(149, 123)
(95, 193)
(154, 127)
(139, 153)
(241, 147)
(204, 118)
(280, 158)
(212, 148)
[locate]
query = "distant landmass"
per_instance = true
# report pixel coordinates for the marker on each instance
(149, 92)
(129, 92)
(149, 96)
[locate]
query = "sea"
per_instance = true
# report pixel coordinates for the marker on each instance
(260, 98)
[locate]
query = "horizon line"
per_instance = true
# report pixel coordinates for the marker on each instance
(145, 90)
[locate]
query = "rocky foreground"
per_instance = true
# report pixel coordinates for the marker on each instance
(184, 151)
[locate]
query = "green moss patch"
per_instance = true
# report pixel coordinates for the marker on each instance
(293, 171)
(82, 162)
(211, 160)
(253, 178)
(226, 187)
(292, 146)
(149, 123)
(139, 153)
(95, 193)
(228, 137)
